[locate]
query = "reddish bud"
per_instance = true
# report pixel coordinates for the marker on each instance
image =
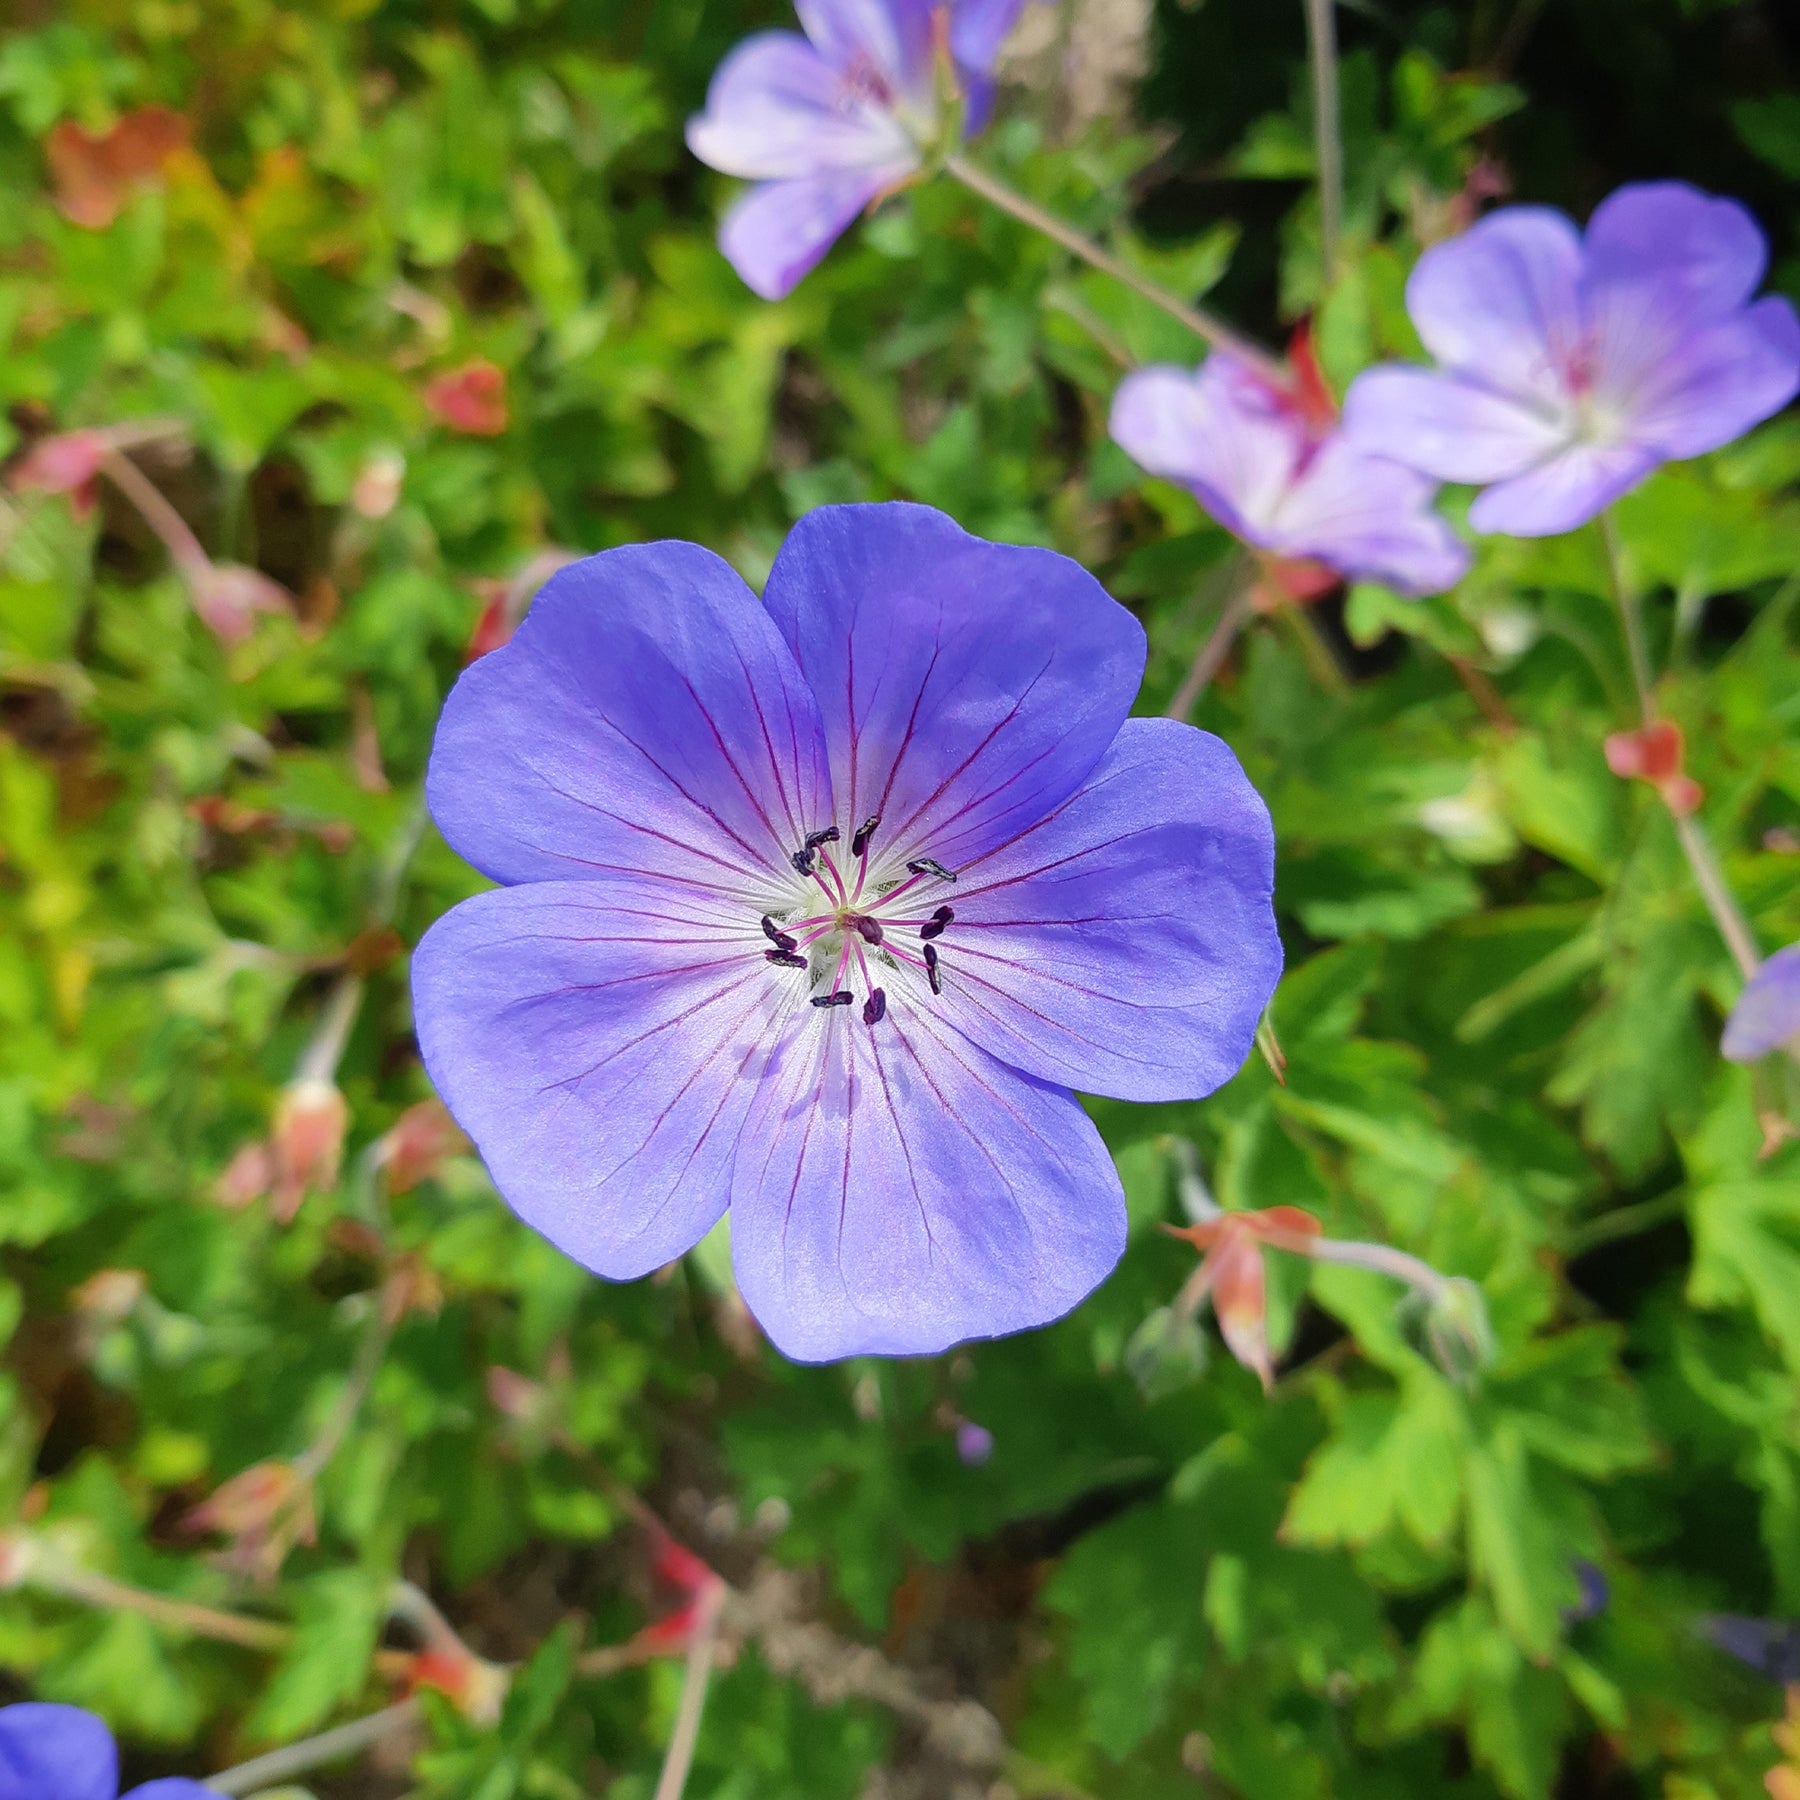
(245, 1178)
(471, 399)
(376, 490)
(1654, 753)
(493, 628)
(1233, 1274)
(420, 1141)
(92, 174)
(308, 1142)
(1310, 394)
(265, 1511)
(228, 596)
(68, 463)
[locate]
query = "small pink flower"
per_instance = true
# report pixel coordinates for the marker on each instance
(1654, 753)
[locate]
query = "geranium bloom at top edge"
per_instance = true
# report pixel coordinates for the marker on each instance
(1767, 1014)
(826, 122)
(62, 1753)
(1275, 471)
(1571, 366)
(818, 906)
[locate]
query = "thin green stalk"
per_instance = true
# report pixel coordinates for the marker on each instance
(701, 1648)
(1328, 131)
(314, 1752)
(1212, 654)
(1709, 878)
(1203, 324)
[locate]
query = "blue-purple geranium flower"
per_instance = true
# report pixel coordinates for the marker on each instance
(63, 1753)
(818, 906)
(1270, 464)
(1767, 1014)
(826, 123)
(1572, 366)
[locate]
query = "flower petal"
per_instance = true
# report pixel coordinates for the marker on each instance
(1220, 432)
(1372, 520)
(1708, 252)
(969, 687)
(1562, 493)
(979, 27)
(893, 37)
(600, 1041)
(777, 109)
(55, 1753)
(1724, 378)
(646, 717)
(776, 234)
(899, 1191)
(1127, 944)
(1447, 427)
(1767, 1014)
(1501, 302)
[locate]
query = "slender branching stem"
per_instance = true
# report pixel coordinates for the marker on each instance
(698, 1673)
(1212, 654)
(314, 1459)
(183, 547)
(1709, 878)
(1328, 132)
(184, 1616)
(336, 1745)
(1203, 324)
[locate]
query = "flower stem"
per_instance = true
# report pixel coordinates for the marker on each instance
(312, 1462)
(1215, 331)
(1709, 878)
(694, 1682)
(313, 1752)
(1328, 135)
(162, 518)
(1212, 654)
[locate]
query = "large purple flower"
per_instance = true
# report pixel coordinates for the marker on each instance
(63, 1753)
(1271, 466)
(826, 122)
(1767, 1014)
(818, 907)
(1572, 366)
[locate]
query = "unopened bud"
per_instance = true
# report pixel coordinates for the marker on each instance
(376, 491)
(308, 1142)
(1166, 1353)
(471, 399)
(1457, 1331)
(64, 464)
(974, 1443)
(245, 1178)
(228, 596)
(264, 1511)
(418, 1144)
(109, 1296)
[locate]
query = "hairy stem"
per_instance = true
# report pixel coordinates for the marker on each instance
(1203, 324)
(1328, 135)
(694, 1682)
(1211, 656)
(1709, 878)
(314, 1752)
(162, 518)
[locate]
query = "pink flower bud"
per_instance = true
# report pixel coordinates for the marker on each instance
(471, 399)
(64, 464)
(228, 596)
(245, 1178)
(376, 490)
(308, 1142)
(420, 1141)
(974, 1443)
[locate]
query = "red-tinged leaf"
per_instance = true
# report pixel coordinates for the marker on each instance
(93, 174)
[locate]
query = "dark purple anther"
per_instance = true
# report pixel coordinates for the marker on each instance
(931, 969)
(934, 926)
(802, 861)
(777, 937)
(843, 997)
(859, 844)
(929, 865)
(870, 929)
(815, 838)
(785, 959)
(875, 1007)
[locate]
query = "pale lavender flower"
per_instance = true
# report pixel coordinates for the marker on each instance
(63, 1753)
(826, 123)
(1767, 1014)
(974, 1443)
(818, 907)
(1270, 464)
(1572, 366)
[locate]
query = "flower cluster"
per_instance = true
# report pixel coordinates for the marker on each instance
(818, 906)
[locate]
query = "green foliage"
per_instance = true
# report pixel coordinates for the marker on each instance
(1499, 1022)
